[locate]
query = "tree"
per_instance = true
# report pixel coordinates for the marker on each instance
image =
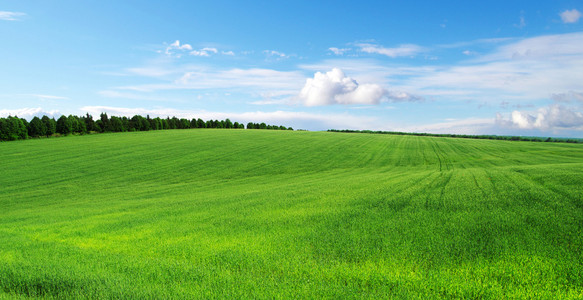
(184, 124)
(125, 122)
(228, 124)
(164, 123)
(89, 123)
(64, 125)
(4, 134)
(75, 126)
(16, 129)
(50, 124)
(135, 123)
(200, 123)
(116, 124)
(36, 127)
(144, 124)
(154, 124)
(105, 124)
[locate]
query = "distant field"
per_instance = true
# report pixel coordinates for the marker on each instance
(281, 214)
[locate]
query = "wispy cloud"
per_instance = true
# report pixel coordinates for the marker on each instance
(338, 51)
(28, 113)
(177, 50)
(204, 51)
(464, 126)
(277, 55)
(522, 22)
(533, 68)
(11, 15)
(49, 97)
(253, 82)
(570, 16)
(402, 50)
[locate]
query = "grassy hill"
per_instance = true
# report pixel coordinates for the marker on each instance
(263, 214)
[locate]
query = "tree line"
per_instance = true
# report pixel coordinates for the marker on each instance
(15, 128)
(471, 136)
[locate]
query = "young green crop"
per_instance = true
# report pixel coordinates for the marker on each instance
(283, 214)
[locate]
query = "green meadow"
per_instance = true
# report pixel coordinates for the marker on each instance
(207, 213)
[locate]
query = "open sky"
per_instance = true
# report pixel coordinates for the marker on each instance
(475, 67)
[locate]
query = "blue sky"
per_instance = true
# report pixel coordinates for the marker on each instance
(490, 67)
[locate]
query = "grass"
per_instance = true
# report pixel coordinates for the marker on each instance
(269, 214)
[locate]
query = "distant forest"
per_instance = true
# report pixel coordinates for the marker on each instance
(470, 136)
(14, 128)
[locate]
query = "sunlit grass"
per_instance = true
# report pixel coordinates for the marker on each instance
(262, 214)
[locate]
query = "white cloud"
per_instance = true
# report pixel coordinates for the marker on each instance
(172, 48)
(231, 53)
(554, 117)
(199, 53)
(213, 50)
(334, 87)
(338, 51)
(570, 16)
(465, 126)
(533, 68)
(50, 97)
(28, 113)
(11, 16)
(402, 50)
(204, 51)
(277, 54)
(259, 79)
(175, 49)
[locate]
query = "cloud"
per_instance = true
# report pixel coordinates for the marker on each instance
(334, 87)
(570, 96)
(49, 97)
(175, 49)
(527, 69)
(402, 50)
(277, 54)
(554, 117)
(28, 113)
(465, 126)
(204, 51)
(338, 51)
(259, 79)
(172, 48)
(11, 16)
(522, 23)
(570, 16)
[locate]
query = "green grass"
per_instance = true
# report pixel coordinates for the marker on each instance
(270, 214)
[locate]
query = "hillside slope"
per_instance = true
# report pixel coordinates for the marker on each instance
(263, 214)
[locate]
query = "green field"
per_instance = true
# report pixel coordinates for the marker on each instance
(282, 214)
